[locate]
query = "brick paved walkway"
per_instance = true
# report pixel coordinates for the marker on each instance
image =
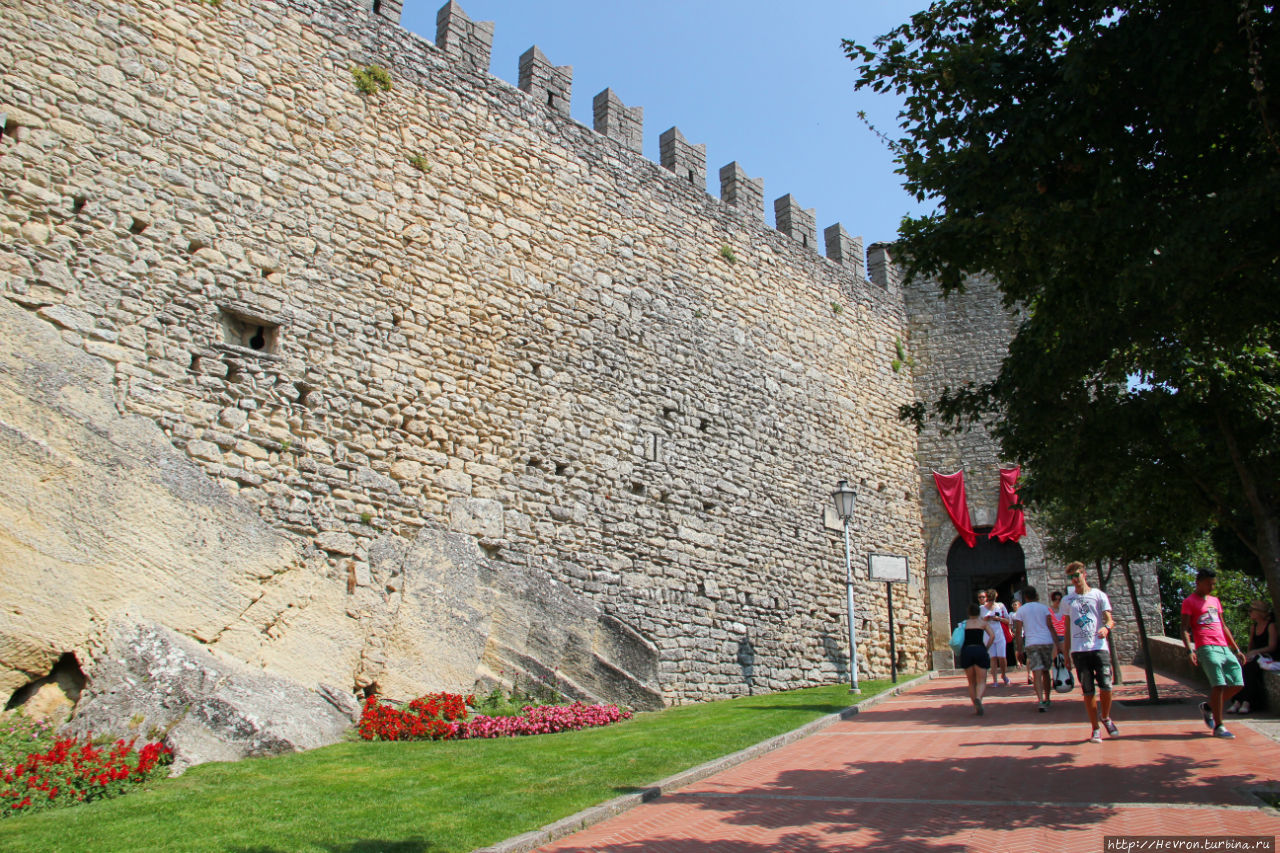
(921, 772)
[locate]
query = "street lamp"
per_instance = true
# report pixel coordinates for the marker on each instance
(843, 497)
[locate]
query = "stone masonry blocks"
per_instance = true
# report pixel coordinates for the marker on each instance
(618, 121)
(796, 222)
(548, 84)
(881, 269)
(736, 189)
(389, 9)
(468, 42)
(843, 249)
(535, 322)
(689, 162)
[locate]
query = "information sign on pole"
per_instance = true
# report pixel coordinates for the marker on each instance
(890, 568)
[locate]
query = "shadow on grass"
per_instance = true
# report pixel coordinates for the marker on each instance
(366, 845)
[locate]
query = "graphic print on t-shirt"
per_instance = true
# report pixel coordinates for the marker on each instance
(1209, 616)
(1085, 622)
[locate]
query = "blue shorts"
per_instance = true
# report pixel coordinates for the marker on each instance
(1220, 665)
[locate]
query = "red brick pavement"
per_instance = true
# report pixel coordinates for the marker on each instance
(920, 772)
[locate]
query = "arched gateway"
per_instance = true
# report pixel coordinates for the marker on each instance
(989, 564)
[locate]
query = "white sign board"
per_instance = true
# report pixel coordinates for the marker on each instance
(887, 567)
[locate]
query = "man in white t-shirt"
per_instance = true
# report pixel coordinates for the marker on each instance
(1035, 626)
(1089, 625)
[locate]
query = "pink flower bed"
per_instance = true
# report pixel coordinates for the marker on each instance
(445, 716)
(542, 720)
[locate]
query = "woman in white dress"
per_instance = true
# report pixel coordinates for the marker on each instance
(996, 614)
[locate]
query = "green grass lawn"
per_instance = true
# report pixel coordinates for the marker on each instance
(417, 797)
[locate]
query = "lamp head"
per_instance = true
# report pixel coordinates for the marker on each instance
(843, 497)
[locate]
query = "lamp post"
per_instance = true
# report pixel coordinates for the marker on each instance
(844, 497)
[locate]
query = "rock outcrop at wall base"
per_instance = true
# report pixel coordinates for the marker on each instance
(103, 522)
(500, 624)
(208, 708)
(100, 515)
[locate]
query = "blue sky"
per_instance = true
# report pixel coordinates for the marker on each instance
(765, 84)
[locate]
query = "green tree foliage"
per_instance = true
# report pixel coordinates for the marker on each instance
(1236, 589)
(1114, 167)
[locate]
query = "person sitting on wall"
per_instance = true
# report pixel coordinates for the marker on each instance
(1262, 641)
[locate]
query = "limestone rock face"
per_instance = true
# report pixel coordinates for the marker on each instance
(188, 611)
(209, 708)
(100, 516)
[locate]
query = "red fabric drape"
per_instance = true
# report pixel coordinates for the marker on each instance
(951, 490)
(1010, 525)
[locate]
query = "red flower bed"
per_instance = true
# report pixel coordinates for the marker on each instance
(429, 717)
(72, 772)
(444, 716)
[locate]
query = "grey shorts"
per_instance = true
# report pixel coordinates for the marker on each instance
(1092, 668)
(1039, 657)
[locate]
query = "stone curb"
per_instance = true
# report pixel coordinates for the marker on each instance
(528, 841)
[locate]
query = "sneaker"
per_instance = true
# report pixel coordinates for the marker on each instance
(1244, 708)
(1221, 731)
(1097, 737)
(1006, 680)
(979, 707)
(1234, 708)
(1044, 706)
(1110, 727)
(1207, 714)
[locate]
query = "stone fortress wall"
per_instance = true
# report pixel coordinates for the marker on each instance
(450, 307)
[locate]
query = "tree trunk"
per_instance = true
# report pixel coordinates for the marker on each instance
(1116, 675)
(1152, 693)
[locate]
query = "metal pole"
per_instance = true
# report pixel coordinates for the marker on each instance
(893, 655)
(853, 641)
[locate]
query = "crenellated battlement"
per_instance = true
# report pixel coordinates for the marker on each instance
(469, 44)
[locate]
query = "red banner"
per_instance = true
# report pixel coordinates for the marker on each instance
(951, 490)
(1010, 525)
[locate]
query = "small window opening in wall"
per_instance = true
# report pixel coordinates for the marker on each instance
(137, 226)
(703, 423)
(691, 178)
(377, 7)
(534, 463)
(370, 690)
(561, 468)
(250, 332)
(669, 412)
(804, 239)
(536, 368)
(637, 488)
(78, 203)
(708, 506)
(194, 367)
(8, 127)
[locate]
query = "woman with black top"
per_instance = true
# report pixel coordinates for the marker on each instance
(975, 659)
(1262, 641)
